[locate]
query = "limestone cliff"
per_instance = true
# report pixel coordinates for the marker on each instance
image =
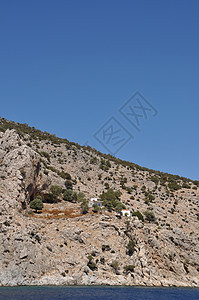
(60, 245)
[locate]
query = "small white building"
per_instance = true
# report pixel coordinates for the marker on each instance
(95, 201)
(125, 213)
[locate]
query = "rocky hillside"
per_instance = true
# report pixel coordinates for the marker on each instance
(64, 243)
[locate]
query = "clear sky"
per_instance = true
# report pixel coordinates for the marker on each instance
(67, 67)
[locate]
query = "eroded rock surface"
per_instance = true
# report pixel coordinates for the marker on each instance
(36, 249)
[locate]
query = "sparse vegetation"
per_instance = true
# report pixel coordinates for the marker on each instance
(64, 175)
(95, 208)
(149, 216)
(130, 247)
(105, 227)
(68, 185)
(36, 204)
(106, 185)
(93, 160)
(81, 197)
(129, 268)
(6, 223)
(138, 214)
(111, 200)
(70, 195)
(46, 155)
(115, 265)
(105, 165)
(106, 159)
(84, 207)
(91, 264)
(174, 186)
(55, 192)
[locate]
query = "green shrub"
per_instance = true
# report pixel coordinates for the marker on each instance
(143, 188)
(119, 206)
(93, 160)
(70, 195)
(154, 179)
(138, 214)
(52, 169)
(99, 176)
(36, 204)
(149, 196)
(46, 155)
(128, 189)
(130, 247)
(64, 175)
(67, 176)
(186, 186)
(81, 197)
(106, 185)
(68, 185)
(91, 264)
(55, 192)
(149, 216)
(174, 186)
(95, 208)
(115, 265)
(105, 164)
(111, 199)
(84, 207)
(129, 268)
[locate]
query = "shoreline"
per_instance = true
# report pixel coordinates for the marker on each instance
(100, 286)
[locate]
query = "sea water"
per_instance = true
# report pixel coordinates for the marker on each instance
(97, 292)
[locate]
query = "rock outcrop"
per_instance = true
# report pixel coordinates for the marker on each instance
(60, 246)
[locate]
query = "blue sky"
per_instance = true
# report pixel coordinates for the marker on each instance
(68, 66)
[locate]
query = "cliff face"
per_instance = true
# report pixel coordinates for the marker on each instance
(59, 245)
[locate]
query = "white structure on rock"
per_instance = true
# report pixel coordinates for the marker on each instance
(125, 213)
(95, 201)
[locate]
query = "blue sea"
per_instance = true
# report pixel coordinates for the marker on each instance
(96, 292)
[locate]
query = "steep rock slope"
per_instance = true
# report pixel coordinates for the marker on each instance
(61, 246)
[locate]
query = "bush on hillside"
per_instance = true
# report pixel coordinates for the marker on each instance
(149, 216)
(130, 247)
(36, 204)
(68, 185)
(111, 200)
(138, 214)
